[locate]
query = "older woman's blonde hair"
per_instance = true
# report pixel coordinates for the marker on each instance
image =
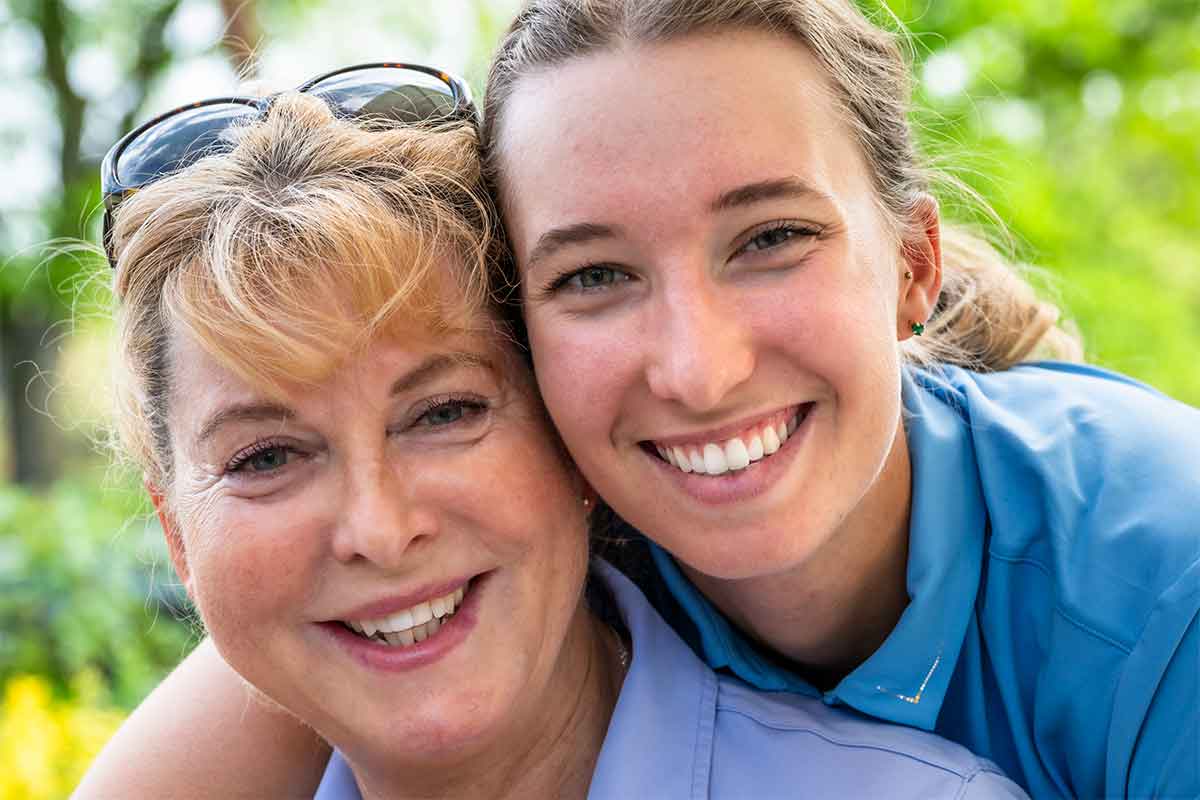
(308, 239)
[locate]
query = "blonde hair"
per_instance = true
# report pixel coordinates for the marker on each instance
(987, 317)
(309, 238)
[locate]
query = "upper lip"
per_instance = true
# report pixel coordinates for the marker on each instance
(390, 605)
(726, 431)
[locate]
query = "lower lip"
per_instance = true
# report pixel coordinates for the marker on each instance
(401, 658)
(744, 484)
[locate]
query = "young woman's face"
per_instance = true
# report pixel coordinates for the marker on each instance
(706, 275)
(421, 480)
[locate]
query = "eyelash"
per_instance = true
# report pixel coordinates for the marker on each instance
(470, 404)
(243, 457)
(793, 229)
(562, 280)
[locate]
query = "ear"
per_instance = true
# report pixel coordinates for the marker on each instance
(921, 257)
(170, 527)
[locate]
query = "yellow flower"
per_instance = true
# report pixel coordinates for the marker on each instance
(46, 743)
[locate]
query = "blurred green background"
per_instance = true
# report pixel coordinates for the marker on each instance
(1078, 122)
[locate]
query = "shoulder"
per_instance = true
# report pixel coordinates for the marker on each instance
(797, 738)
(1085, 474)
(681, 730)
(1093, 405)
(1101, 416)
(1091, 583)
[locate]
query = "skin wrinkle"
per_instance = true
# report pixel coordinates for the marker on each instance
(582, 719)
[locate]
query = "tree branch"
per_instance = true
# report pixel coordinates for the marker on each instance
(152, 56)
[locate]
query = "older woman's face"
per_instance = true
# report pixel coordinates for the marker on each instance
(419, 481)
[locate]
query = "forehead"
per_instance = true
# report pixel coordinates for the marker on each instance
(653, 127)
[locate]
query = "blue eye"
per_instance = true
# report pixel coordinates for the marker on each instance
(261, 457)
(447, 412)
(778, 235)
(592, 278)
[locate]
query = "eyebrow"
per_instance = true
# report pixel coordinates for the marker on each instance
(580, 233)
(761, 191)
(243, 412)
(426, 371)
(434, 366)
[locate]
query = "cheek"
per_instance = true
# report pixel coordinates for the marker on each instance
(582, 369)
(251, 566)
(839, 315)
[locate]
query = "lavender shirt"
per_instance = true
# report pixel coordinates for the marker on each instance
(681, 730)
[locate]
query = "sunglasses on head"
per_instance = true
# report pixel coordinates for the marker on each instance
(181, 137)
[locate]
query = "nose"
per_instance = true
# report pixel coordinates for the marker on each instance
(700, 348)
(382, 519)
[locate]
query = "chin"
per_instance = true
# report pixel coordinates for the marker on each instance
(758, 555)
(404, 734)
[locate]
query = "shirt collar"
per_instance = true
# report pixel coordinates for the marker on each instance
(338, 781)
(666, 690)
(905, 680)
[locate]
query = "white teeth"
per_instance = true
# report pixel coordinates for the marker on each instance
(402, 627)
(736, 455)
(755, 449)
(714, 460)
(398, 622)
(770, 441)
(422, 613)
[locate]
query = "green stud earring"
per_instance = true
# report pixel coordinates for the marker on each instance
(918, 328)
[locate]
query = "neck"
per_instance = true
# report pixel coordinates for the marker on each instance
(829, 614)
(551, 751)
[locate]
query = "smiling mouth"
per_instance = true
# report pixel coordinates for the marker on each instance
(712, 458)
(411, 625)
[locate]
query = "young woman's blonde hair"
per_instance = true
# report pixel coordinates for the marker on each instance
(309, 238)
(988, 317)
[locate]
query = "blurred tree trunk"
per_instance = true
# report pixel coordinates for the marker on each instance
(30, 306)
(31, 433)
(25, 316)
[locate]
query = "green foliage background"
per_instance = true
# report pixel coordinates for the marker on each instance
(1077, 122)
(1107, 201)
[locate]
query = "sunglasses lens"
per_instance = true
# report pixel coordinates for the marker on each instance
(405, 95)
(179, 140)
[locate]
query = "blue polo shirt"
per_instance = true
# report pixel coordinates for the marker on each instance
(1054, 583)
(679, 730)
